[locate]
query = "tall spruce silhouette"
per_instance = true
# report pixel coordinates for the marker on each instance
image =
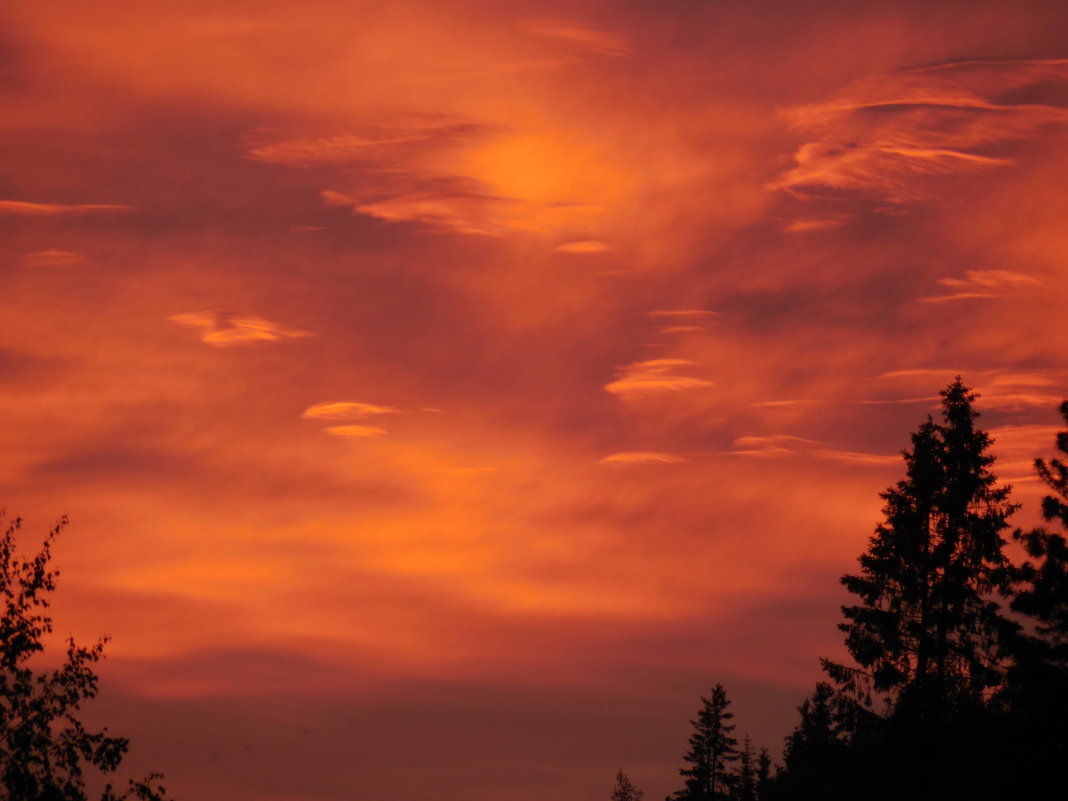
(45, 749)
(926, 633)
(713, 751)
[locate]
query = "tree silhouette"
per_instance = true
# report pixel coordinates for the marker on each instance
(763, 775)
(1036, 696)
(625, 789)
(44, 747)
(712, 751)
(819, 760)
(1055, 474)
(745, 785)
(926, 632)
(1043, 588)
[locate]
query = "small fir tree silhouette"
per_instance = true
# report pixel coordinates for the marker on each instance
(713, 751)
(625, 789)
(816, 751)
(745, 785)
(763, 775)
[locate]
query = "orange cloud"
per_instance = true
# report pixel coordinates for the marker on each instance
(460, 175)
(653, 376)
(584, 246)
(880, 132)
(591, 39)
(1011, 390)
(786, 403)
(791, 445)
(772, 445)
(354, 431)
(221, 329)
(982, 284)
(681, 313)
(803, 226)
(345, 410)
(51, 258)
(642, 457)
(459, 204)
(407, 139)
(680, 329)
(25, 209)
(858, 458)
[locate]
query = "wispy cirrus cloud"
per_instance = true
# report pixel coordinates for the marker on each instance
(1007, 390)
(221, 329)
(680, 329)
(51, 258)
(406, 139)
(417, 169)
(777, 445)
(995, 377)
(594, 40)
(456, 203)
(654, 376)
(793, 402)
(982, 284)
(804, 226)
(880, 133)
(858, 457)
(683, 320)
(22, 208)
(676, 313)
(772, 445)
(923, 373)
(447, 173)
(642, 457)
(584, 246)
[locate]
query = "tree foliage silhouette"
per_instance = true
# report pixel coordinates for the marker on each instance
(745, 785)
(1042, 587)
(44, 748)
(712, 751)
(763, 775)
(926, 632)
(625, 789)
(946, 698)
(1036, 694)
(815, 751)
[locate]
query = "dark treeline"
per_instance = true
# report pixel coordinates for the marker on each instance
(958, 685)
(957, 688)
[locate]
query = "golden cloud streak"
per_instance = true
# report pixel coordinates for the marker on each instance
(652, 377)
(345, 410)
(221, 330)
(25, 209)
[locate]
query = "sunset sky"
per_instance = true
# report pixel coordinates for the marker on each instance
(446, 394)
